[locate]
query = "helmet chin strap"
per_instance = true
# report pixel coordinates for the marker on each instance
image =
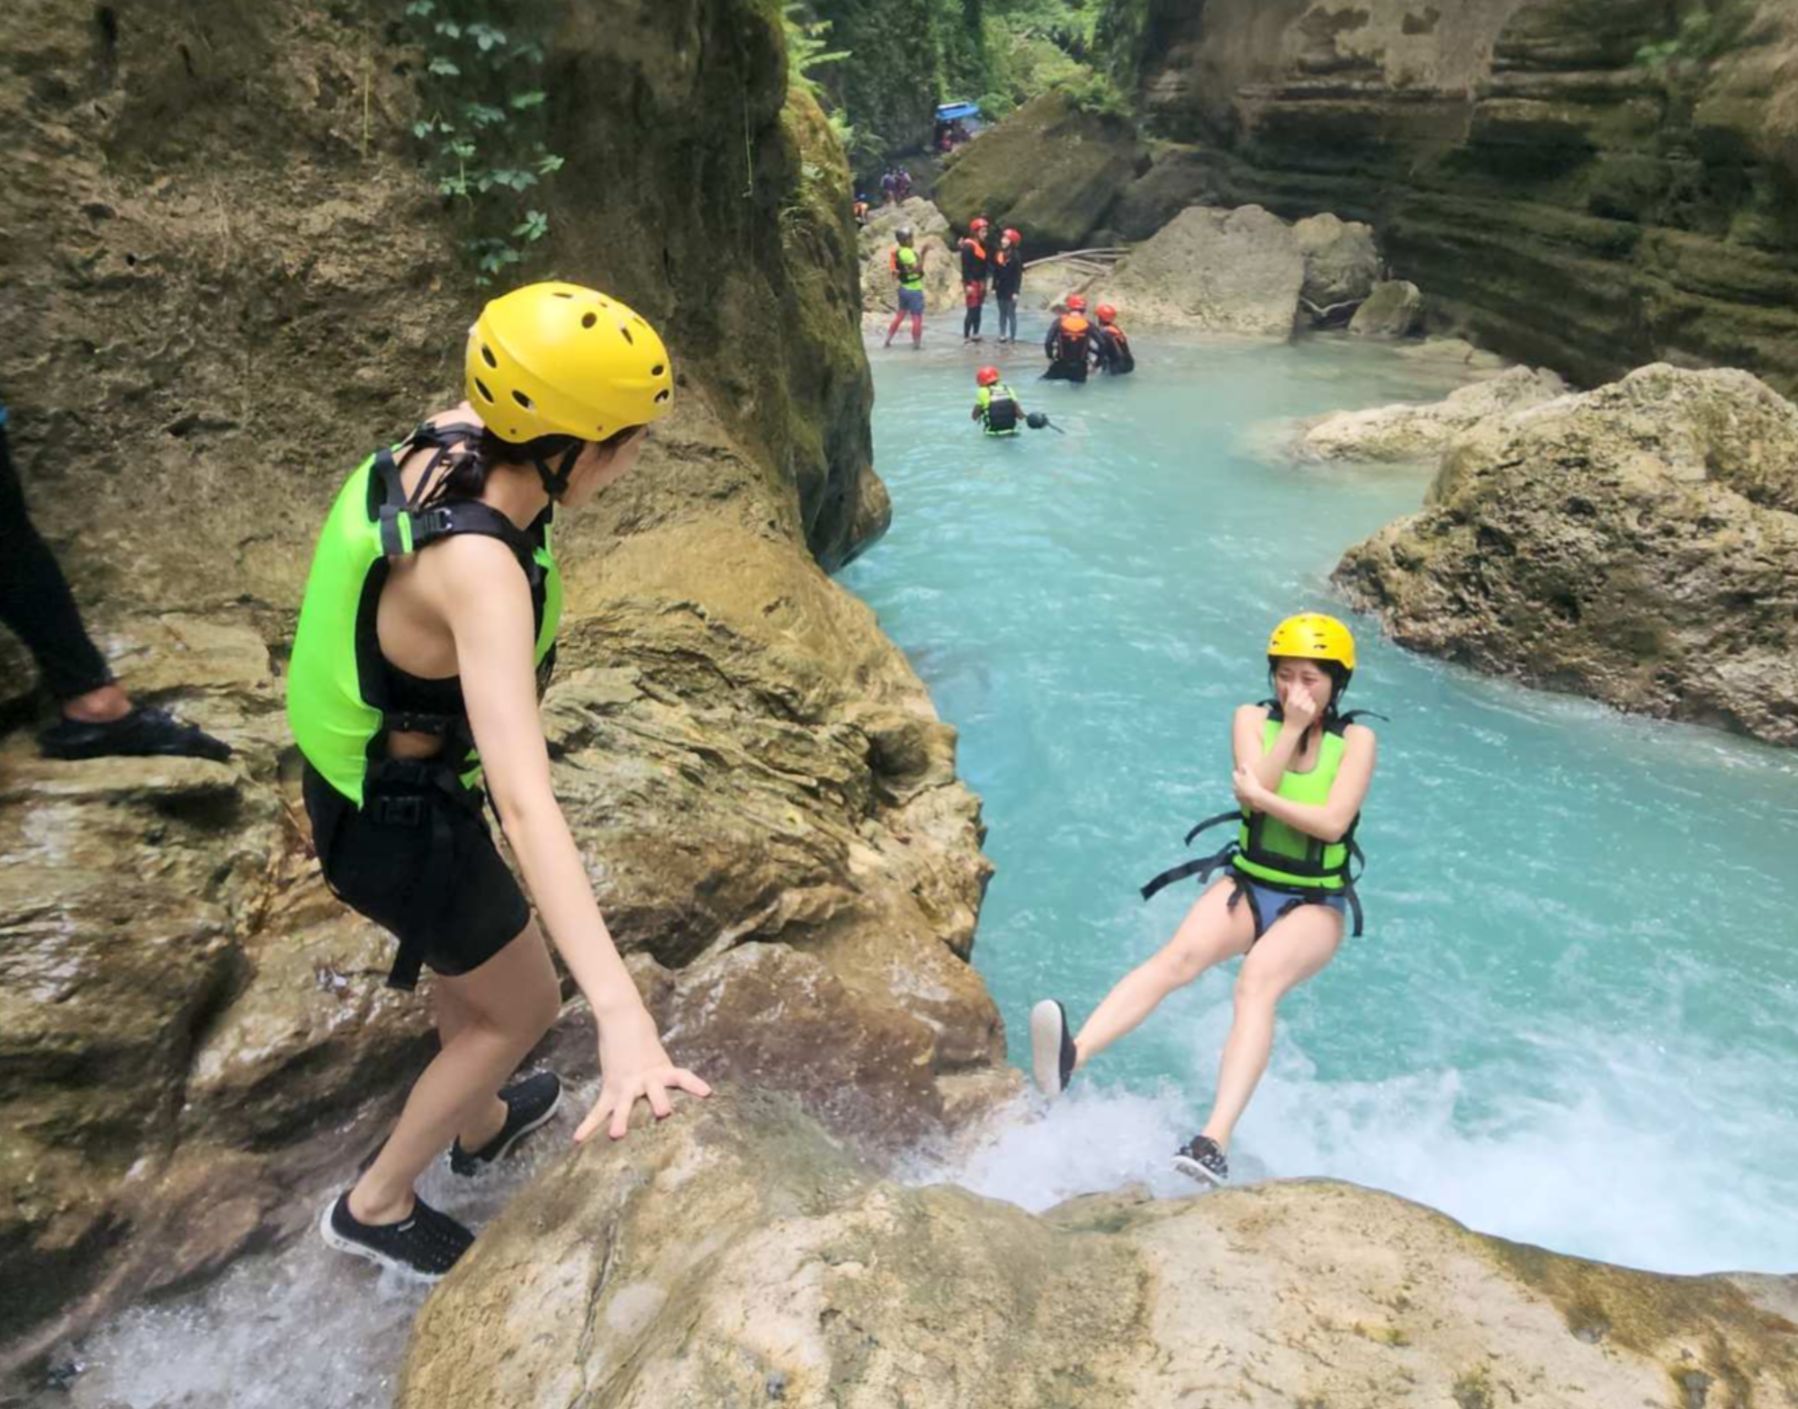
(555, 481)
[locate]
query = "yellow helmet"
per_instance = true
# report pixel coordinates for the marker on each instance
(559, 359)
(1313, 636)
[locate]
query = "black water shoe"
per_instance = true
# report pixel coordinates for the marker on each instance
(423, 1245)
(1201, 1159)
(143, 733)
(529, 1104)
(1052, 1053)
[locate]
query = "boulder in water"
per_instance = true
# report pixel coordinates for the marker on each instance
(1342, 265)
(1222, 271)
(1051, 169)
(1637, 543)
(1393, 310)
(1422, 433)
(735, 1256)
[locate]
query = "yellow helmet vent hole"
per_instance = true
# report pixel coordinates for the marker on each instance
(627, 335)
(662, 395)
(488, 357)
(589, 319)
(522, 399)
(658, 369)
(481, 387)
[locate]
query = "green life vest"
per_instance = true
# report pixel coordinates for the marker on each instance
(909, 266)
(999, 411)
(1270, 853)
(1268, 850)
(338, 683)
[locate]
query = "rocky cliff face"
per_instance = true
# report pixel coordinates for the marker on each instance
(227, 279)
(1587, 184)
(818, 1284)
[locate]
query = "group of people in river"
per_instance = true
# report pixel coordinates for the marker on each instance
(426, 635)
(1074, 345)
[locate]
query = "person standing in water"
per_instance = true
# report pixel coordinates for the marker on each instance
(976, 268)
(1115, 356)
(426, 633)
(1302, 772)
(996, 405)
(1071, 345)
(1008, 281)
(907, 265)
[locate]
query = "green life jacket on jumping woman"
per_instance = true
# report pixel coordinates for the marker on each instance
(1268, 852)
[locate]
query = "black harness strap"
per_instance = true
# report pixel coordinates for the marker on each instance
(417, 793)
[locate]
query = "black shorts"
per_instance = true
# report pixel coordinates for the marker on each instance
(419, 861)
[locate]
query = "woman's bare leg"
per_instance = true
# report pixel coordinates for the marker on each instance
(505, 1006)
(452, 1015)
(1294, 948)
(1211, 932)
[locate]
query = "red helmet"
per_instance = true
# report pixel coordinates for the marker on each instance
(1076, 303)
(987, 376)
(1013, 235)
(1107, 314)
(979, 222)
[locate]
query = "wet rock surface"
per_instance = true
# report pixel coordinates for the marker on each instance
(735, 1255)
(1637, 543)
(1420, 434)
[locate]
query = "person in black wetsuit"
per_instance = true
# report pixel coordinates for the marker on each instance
(976, 269)
(1115, 356)
(1008, 281)
(1071, 344)
(95, 716)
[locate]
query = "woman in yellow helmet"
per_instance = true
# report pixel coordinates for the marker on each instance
(1302, 771)
(426, 632)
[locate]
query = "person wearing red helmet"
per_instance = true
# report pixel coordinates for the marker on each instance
(1072, 343)
(1115, 356)
(976, 268)
(996, 405)
(1008, 282)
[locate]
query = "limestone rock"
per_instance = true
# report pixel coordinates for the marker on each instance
(1637, 543)
(1575, 202)
(1342, 265)
(1049, 169)
(915, 211)
(1177, 178)
(1421, 433)
(1393, 310)
(733, 1255)
(1219, 271)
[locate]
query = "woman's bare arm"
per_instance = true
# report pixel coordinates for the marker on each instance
(487, 603)
(1328, 821)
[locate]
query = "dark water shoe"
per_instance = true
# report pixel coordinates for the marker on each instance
(529, 1104)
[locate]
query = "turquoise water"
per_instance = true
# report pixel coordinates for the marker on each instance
(1574, 1017)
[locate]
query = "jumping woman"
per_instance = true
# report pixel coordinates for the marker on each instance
(1302, 771)
(425, 635)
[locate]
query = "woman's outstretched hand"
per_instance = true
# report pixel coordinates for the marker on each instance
(633, 1067)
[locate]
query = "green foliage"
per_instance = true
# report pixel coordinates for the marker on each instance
(807, 47)
(485, 140)
(1706, 30)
